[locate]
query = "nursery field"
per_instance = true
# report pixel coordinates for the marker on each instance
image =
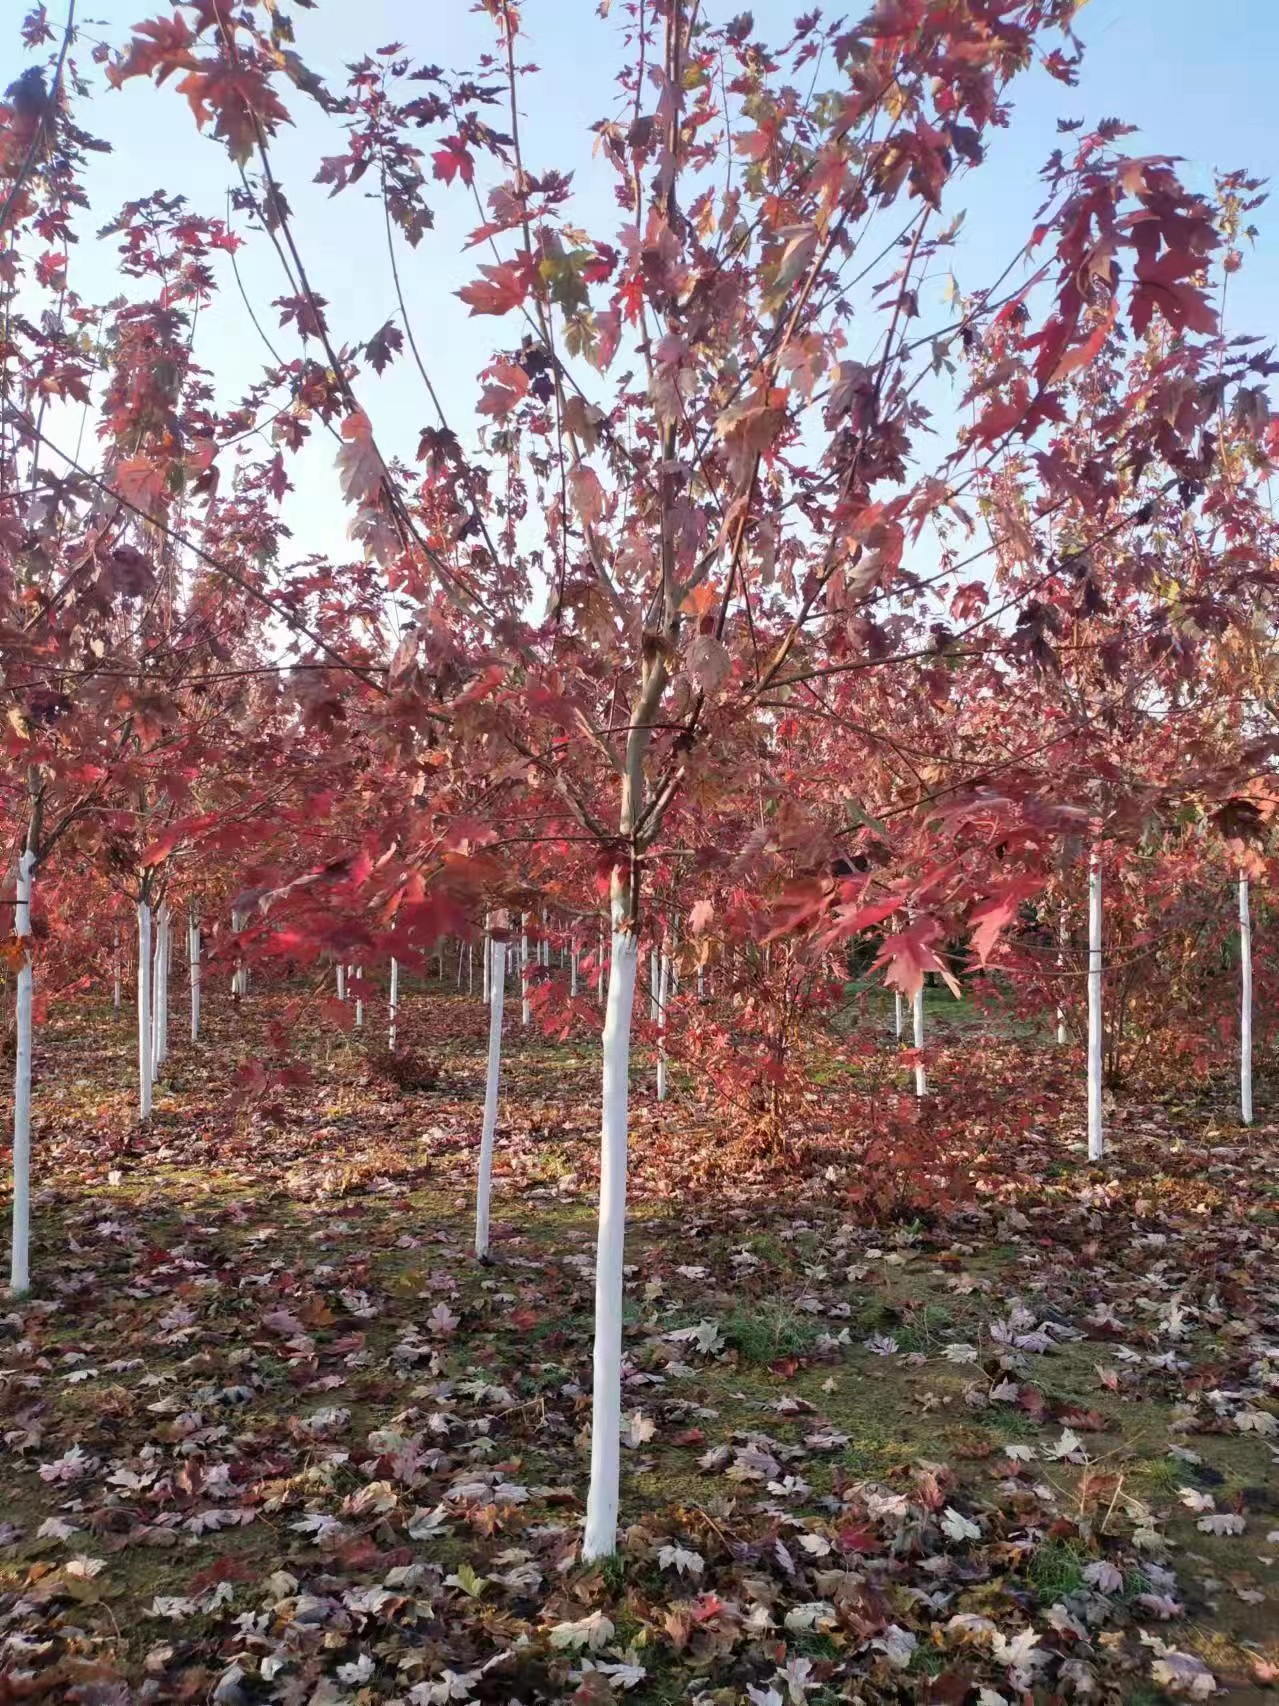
(996, 1425)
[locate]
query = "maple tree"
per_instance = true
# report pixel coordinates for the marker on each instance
(702, 617)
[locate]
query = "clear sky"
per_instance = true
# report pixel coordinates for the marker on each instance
(1198, 80)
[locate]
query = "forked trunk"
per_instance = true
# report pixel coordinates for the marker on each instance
(600, 1539)
(492, 1081)
(1096, 1134)
(20, 1256)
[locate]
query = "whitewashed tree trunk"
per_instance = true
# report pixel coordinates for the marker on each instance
(599, 971)
(395, 1002)
(470, 968)
(240, 977)
(486, 982)
(461, 956)
(1245, 1002)
(654, 977)
(525, 1009)
(1063, 940)
(116, 975)
(193, 963)
(492, 1081)
(160, 991)
(600, 1539)
(20, 1248)
(663, 995)
(341, 983)
(572, 968)
(921, 1075)
(145, 1070)
(359, 999)
(1096, 1133)
(899, 1015)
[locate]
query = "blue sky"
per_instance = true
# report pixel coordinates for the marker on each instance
(1198, 81)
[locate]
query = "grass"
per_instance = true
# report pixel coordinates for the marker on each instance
(1057, 1569)
(771, 1330)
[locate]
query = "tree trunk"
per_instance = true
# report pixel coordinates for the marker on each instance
(470, 968)
(654, 978)
(240, 977)
(115, 975)
(359, 999)
(1096, 1135)
(491, 1082)
(145, 1069)
(606, 1416)
(395, 1002)
(341, 983)
(525, 1010)
(921, 1075)
(1245, 1003)
(20, 1256)
(160, 991)
(663, 995)
(572, 968)
(486, 981)
(1063, 941)
(193, 961)
(899, 1015)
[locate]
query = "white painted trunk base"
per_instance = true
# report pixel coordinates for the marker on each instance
(1245, 1003)
(492, 1080)
(1096, 1132)
(600, 1539)
(20, 1249)
(395, 1003)
(146, 1074)
(663, 996)
(193, 964)
(921, 1075)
